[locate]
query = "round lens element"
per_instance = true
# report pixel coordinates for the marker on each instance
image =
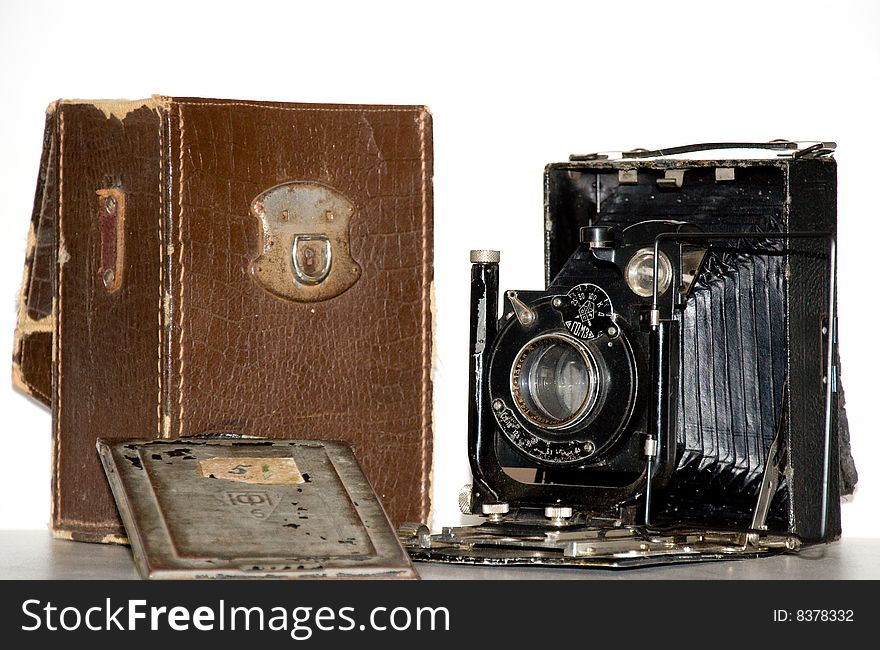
(554, 383)
(639, 273)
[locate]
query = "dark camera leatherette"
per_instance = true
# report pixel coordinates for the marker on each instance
(753, 350)
(190, 343)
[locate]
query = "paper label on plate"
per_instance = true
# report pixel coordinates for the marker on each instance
(261, 471)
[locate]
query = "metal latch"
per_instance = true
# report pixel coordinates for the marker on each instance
(305, 252)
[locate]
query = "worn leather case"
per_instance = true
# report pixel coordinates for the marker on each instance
(198, 266)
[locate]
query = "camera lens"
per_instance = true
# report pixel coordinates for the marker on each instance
(639, 273)
(554, 383)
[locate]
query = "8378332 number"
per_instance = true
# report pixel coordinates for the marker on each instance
(824, 615)
(814, 616)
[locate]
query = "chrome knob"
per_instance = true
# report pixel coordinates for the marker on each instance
(495, 511)
(558, 514)
(466, 499)
(413, 531)
(485, 257)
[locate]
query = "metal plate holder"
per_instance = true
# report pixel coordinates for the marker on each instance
(250, 508)
(304, 242)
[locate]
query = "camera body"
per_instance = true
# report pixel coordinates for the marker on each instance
(680, 368)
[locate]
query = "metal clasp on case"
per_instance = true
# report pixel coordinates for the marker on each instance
(111, 226)
(312, 256)
(305, 254)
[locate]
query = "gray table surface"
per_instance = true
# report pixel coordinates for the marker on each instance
(34, 554)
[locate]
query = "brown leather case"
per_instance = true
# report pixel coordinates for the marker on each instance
(199, 266)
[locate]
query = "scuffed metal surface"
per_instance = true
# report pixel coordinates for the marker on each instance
(184, 522)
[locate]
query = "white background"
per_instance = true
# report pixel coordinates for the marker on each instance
(511, 88)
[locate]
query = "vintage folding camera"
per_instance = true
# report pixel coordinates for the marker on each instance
(673, 393)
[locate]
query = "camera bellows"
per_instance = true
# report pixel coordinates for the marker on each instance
(732, 382)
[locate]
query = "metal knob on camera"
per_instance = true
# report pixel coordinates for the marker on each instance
(415, 531)
(481, 256)
(558, 515)
(466, 499)
(597, 236)
(495, 511)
